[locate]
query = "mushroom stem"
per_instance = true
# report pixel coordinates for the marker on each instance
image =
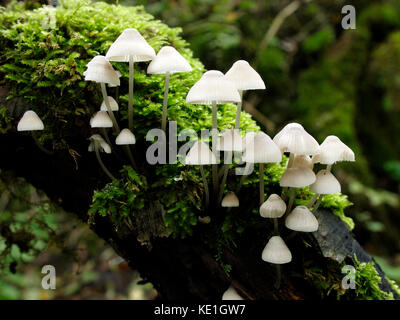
(244, 176)
(107, 102)
(276, 226)
(39, 145)
(261, 169)
(291, 199)
(290, 161)
(329, 167)
(214, 134)
(278, 276)
(105, 134)
(130, 101)
(108, 173)
(225, 175)
(117, 94)
(165, 103)
(239, 110)
(128, 151)
(317, 204)
(205, 185)
(312, 200)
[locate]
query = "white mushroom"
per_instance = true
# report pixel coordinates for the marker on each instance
(30, 121)
(231, 294)
(325, 183)
(97, 144)
(276, 251)
(301, 219)
(230, 200)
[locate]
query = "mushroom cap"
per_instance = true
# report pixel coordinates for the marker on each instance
(230, 200)
(212, 87)
(293, 138)
(168, 59)
(100, 70)
(96, 138)
(231, 294)
(326, 183)
(297, 177)
(30, 121)
(200, 154)
(260, 148)
(125, 137)
(301, 219)
(247, 139)
(130, 43)
(101, 120)
(302, 160)
(113, 104)
(276, 251)
(230, 140)
(274, 207)
(244, 77)
(333, 150)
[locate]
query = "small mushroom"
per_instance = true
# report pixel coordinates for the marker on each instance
(274, 207)
(102, 120)
(130, 47)
(167, 61)
(231, 294)
(230, 200)
(276, 251)
(325, 183)
(126, 138)
(113, 104)
(301, 219)
(98, 144)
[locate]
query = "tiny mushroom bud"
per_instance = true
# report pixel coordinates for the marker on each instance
(301, 219)
(230, 200)
(125, 137)
(101, 120)
(231, 294)
(274, 207)
(113, 104)
(276, 251)
(30, 121)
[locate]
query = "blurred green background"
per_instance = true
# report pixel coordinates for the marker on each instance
(333, 81)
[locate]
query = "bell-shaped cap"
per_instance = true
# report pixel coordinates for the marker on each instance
(274, 207)
(259, 148)
(302, 161)
(101, 120)
(168, 60)
(30, 121)
(230, 200)
(113, 104)
(96, 138)
(213, 87)
(244, 77)
(297, 177)
(326, 183)
(231, 294)
(125, 137)
(333, 150)
(130, 43)
(301, 219)
(230, 140)
(200, 154)
(276, 251)
(293, 138)
(100, 70)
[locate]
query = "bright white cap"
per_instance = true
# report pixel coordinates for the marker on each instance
(231, 294)
(230, 200)
(101, 120)
(96, 138)
(30, 121)
(293, 138)
(248, 138)
(244, 77)
(200, 154)
(326, 183)
(100, 70)
(302, 161)
(113, 104)
(130, 43)
(125, 137)
(301, 219)
(276, 251)
(332, 150)
(297, 177)
(230, 140)
(213, 87)
(168, 60)
(260, 148)
(274, 207)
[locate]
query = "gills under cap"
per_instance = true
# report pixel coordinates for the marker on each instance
(230, 140)
(297, 177)
(333, 150)
(30, 121)
(96, 138)
(100, 70)
(301, 219)
(113, 104)
(259, 148)
(200, 154)
(274, 207)
(244, 77)
(326, 183)
(125, 137)
(101, 120)
(213, 87)
(276, 251)
(168, 59)
(130, 43)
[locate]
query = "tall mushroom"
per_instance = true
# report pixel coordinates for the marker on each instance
(213, 89)
(243, 77)
(101, 71)
(200, 155)
(98, 144)
(167, 61)
(130, 47)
